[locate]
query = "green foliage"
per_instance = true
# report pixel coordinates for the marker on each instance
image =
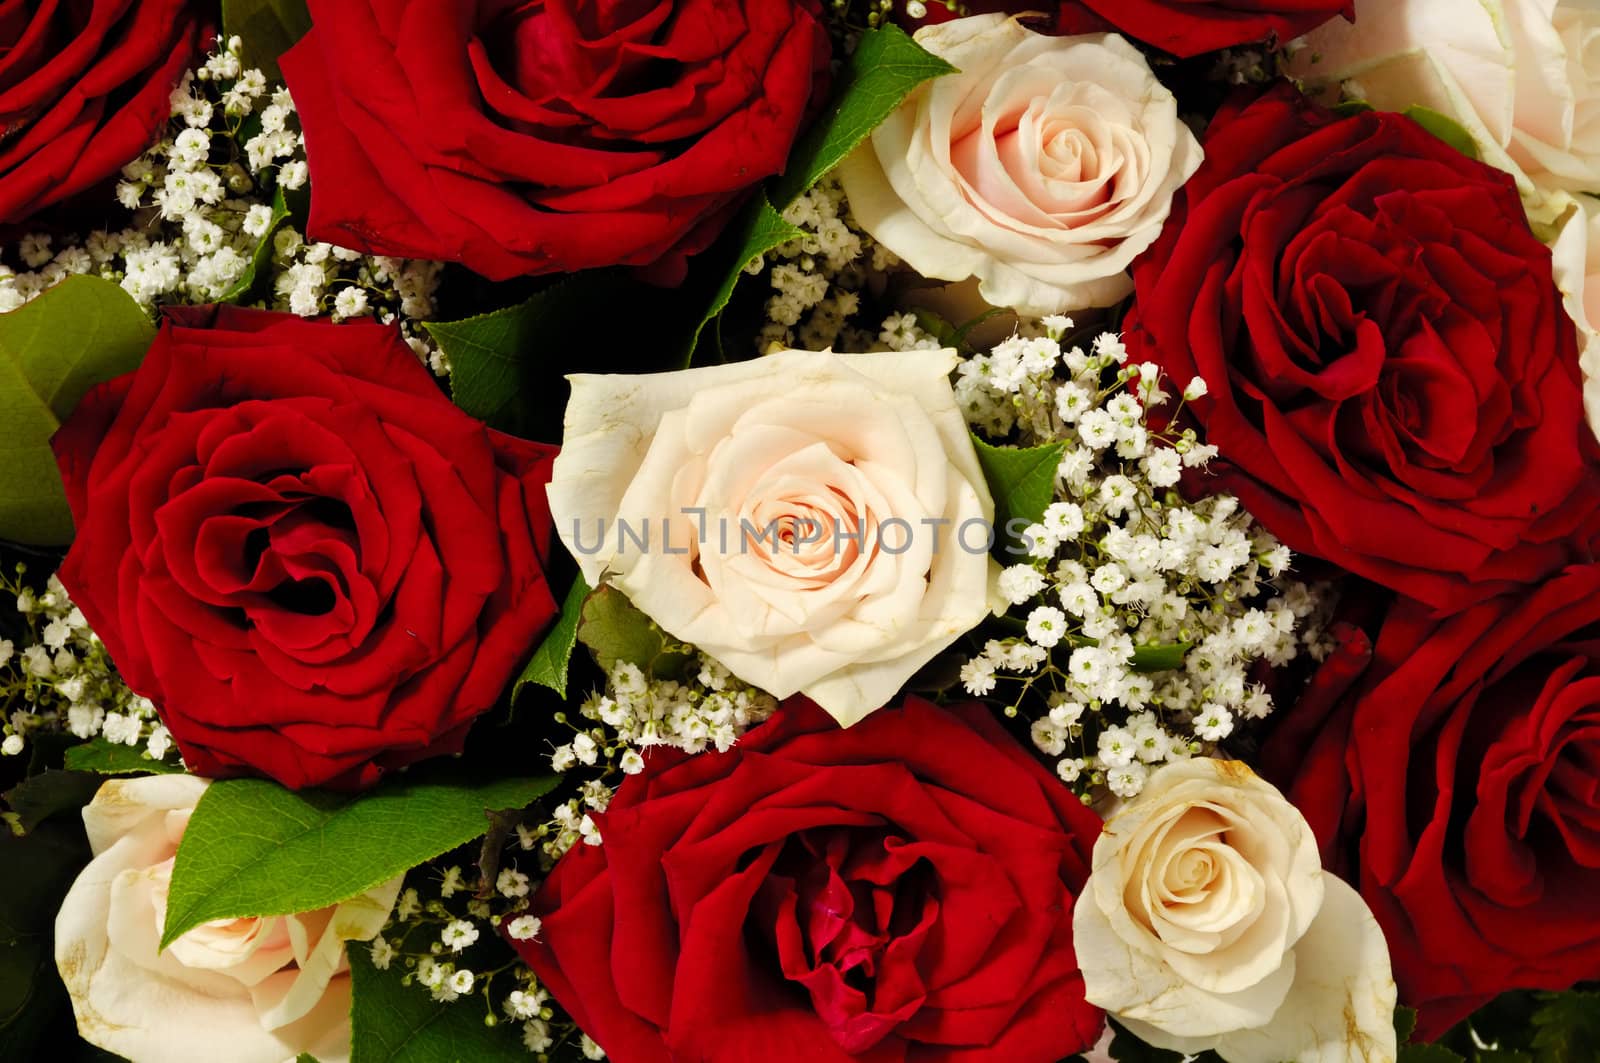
(1023, 483)
(548, 665)
(1567, 1027)
(758, 229)
(248, 288)
(1159, 657)
(253, 847)
(81, 332)
(113, 758)
(267, 28)
(615, 630)
(395, 1023)
(39, 868)
(884, 69)
(1445, 128)
(38, 797)
(501, 361)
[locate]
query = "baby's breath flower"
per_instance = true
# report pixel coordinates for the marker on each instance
(523, 928)
(1140, 614)
(458, 935)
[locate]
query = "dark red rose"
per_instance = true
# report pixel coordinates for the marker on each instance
(292, 543)
(1394, 384)
(1458, 788)
(898, 891)
(539, 136)
(1189, 27)
(84, 86)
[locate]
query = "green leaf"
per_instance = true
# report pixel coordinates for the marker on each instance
(40, 868)
(113, 758)
(266, 28)
(1445, 128)
(391, 1022)
(1566, 1027)
(1160, 657)
(757, 230)
(885, 68)
(1023, 483)
(1351, 107)
(940, 329)
(1428, 1054)
(38, 797)
(244, 290)
(548, 666)
(500, 361)
(1405, 1022)
(81, 332)
(255, 848)
(614, 630)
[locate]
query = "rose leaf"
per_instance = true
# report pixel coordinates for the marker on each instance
(254, 848)
(757, 230)
(245, 289)
(1445, 128)
(267, 29)
(1428, 1054)
(80, 333)
(615, 630)
(38, 797)
(548, 666)
(1567, 1026)
(113, 758)
(500, 362)
(877, 77)
(1023, 483)
(391, 1022)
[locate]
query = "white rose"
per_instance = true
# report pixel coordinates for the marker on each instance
(245, 990)
(1575, 254)
(1522, 76)
(669, 483)
(1208, 923)
(1043, 168)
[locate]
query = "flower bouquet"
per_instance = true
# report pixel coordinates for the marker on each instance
(1082, 544)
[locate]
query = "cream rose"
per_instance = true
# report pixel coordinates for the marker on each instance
(1208, 923)
(1043, 168)
(816, 522)
(1575, 255)
(245, 990)
(1522, 76)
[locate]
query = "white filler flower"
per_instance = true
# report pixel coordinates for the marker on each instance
(1208, 923)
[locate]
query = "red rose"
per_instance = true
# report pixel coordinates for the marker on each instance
(1189, 27)
(292, 543)
(1394, 384)
(1459, 789)
(83, 88)
(551, 135)
(898, 891)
